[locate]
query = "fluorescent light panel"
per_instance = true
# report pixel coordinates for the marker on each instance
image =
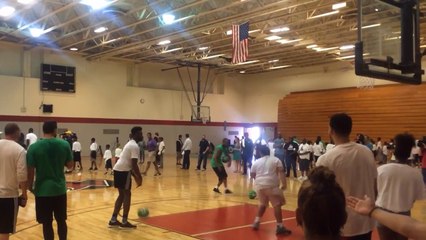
(272, 38)
(279, 67)
(203, 48)
(229, 32)
(324, 14)
(285, 41)
(6, 11)
(312, 46)
(25, 1)
(171, 50)
(339, 5)
(248, 62)
(347, 47)
(100, 29)
(273, 61)
(319, 49)
(168, 18)
(282, 29)
(213, 56)
(164, 42)
(74, 49)
(36, 32)
(97, 4)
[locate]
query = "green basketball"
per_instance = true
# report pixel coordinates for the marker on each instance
(143, 212)
(252, 194)
(224, 158)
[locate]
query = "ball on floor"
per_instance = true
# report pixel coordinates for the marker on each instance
(252, 194)
(143, 212)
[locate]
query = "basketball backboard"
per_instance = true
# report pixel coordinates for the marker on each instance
(388, 44)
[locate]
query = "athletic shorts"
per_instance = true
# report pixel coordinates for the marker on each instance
(108, 163)
(93, 155)
(220, 173)
(77, 156)
(9, 212)
(151, 156)
(274, 195)
(46, 207)
(304, 164)
(123, 180)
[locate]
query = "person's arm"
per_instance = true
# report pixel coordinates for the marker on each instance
(136, 172)
(402, 224)
(22, 174)
(30, 178)
(281, 174)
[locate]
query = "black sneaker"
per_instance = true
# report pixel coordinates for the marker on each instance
(115, 224)
(282, 231)
(255, 225)
(96, 169)
(216, 190)
(127, 225)
(227, 191)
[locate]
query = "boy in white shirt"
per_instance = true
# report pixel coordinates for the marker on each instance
(117, 153)
(107, 158)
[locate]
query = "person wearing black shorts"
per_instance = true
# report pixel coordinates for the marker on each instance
(76, 151)
(220, 154)
(123, 170)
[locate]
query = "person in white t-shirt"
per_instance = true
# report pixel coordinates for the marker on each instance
(304, 155)
(108, 159)
(161, 151)
(13, 176)
(355, 171)
(76, 150)
(93, 154)
(398, 184)
(30, 138)
(124, 169)
(268, 173)
(117, 153)
(329, 146)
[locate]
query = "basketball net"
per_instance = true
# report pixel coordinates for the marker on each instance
(365, 83)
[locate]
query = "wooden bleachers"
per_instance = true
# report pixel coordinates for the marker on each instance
(379, 112)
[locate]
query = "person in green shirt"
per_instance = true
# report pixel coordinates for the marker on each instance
(47, 158)
(221, 155)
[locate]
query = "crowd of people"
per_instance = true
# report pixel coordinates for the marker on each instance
(346, 185)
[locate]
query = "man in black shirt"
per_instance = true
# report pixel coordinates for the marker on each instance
(203, 153)
(291, 149)
(179, 144)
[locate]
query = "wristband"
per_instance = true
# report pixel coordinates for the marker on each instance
(372, 210)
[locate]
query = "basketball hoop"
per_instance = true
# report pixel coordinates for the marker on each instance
(366, 82)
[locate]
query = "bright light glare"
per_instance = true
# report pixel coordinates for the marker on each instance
(36, 32)
(339, 5)
(97, 4)
(272, 38)
(203, 48)
(347, 47)
(324, 14)
(254, 133)
(164, 42)
(283, 29)
(25, 1)
(74, 49)
(6, 11)
(100, 29)
(168, 18)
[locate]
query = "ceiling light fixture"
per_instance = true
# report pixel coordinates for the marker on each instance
(273, 38)
(273, 61)
(347, 47)
(279, 67)
(36, 32)
(100, 29)
(338, 5)
(212, 56)
(312, 46)
(243, 71)
(168, 18)
(229, 32)
(171, 50)
(203, 48)
(248, 62)
(423, 46)
(283, 29)
(25, 1)
(97, 4)
(6, 11)
(74, 49)
(286, 41)
(324, 14)
(320, 49)
(164, 42)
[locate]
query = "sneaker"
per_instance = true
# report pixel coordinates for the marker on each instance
(255, 225)
(300, 178)
(282, 231)
(305, 178)
(90, 169)
(115, 224)
(216, 190)
(96, 169)
(157, 174)
(197, 169)
(227, 191)
(129, 225)
(204, 169)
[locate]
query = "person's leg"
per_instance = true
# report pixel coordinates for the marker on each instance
(44, 213)
(48, 230)
(204, 161)
(157, 170)
(424, 175)
(263, 203)
(148, 165)
(293, 166)
(117, 205)
(288, 167)
(127, 197)
(200, 159)
(244, 165)
(9, 212)
(60, 213)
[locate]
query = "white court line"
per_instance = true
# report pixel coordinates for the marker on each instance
(233, 228)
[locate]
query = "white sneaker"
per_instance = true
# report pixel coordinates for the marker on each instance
(300, 178)
(305, 178)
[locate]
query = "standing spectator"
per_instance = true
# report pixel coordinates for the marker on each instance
(279, 148)
(47, 158)
(179, 145)
(318, 149)
(76, 150)
(117, 152)
(93, 154)
(13, 176)
(304, 155)
(291, 148)
(161, 151)
(236, 154)
(329, 146)
(186, 148)
(108, 159)
(398, 184)
(268, 174)
(151, 146)
(349, 161)
(202, 154)
(30, 138)
(247, 154)
(123, 172)
(221, 152)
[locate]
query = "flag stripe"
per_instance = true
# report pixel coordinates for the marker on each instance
(240, 43)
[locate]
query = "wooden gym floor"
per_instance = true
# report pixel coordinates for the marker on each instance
(182, 205)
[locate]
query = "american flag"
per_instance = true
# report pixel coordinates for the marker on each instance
(240, 35)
